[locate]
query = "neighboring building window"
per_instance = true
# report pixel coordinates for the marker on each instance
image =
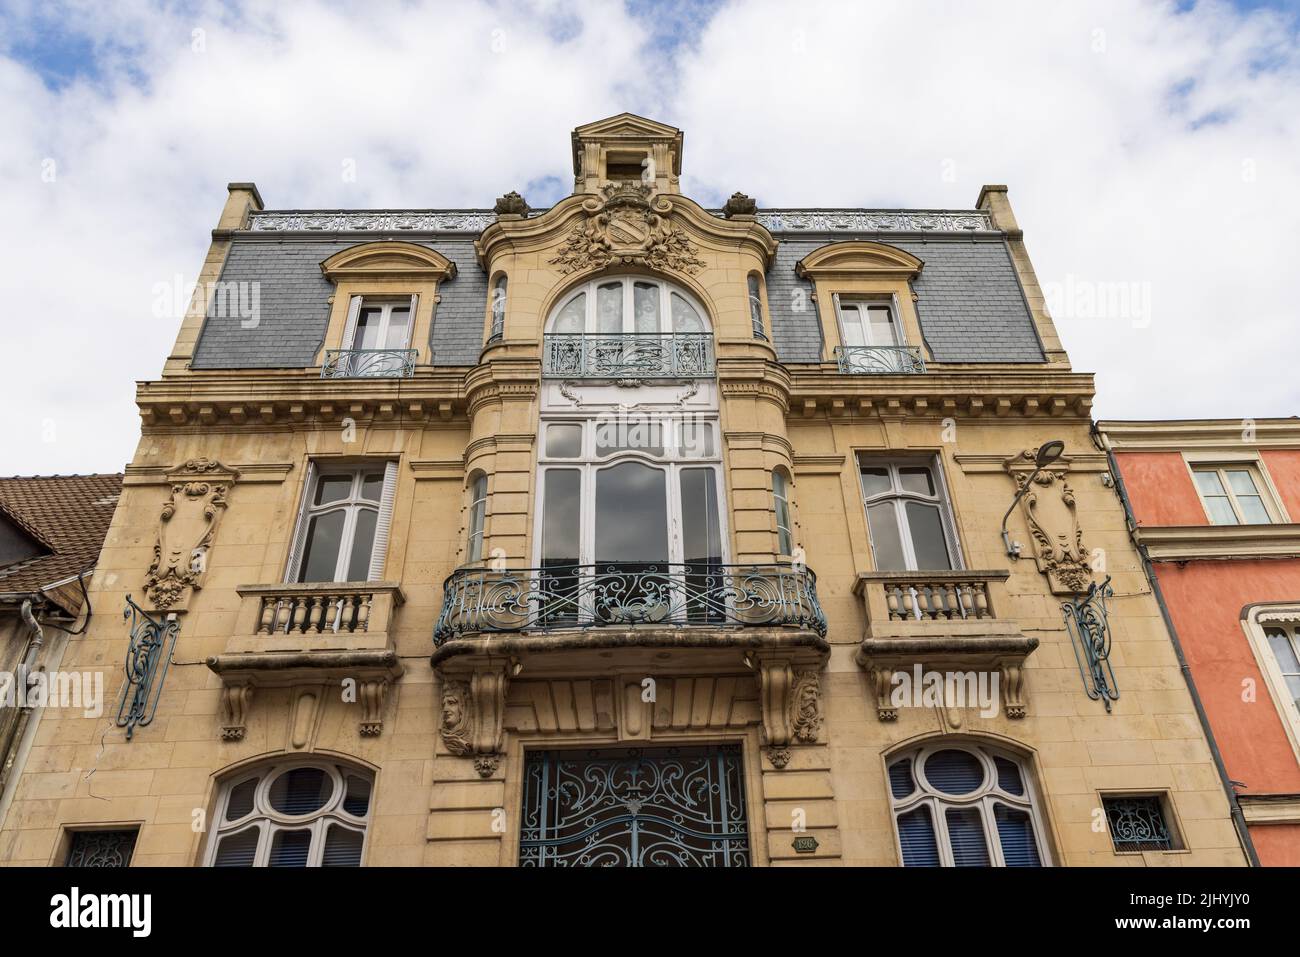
(907, 516)
(1284, 643)
(342, 532)
(964, 806)
(756, 307)
(109, 848)
(1274, 634)
(1232, 495)
(633, 304)
(781, 499)
(304, 815)
(498, 309)
(1138, 823)
(477, 518)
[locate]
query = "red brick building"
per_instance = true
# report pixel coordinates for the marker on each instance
(1214, 507)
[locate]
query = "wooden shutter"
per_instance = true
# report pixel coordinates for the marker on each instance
(298, 543)
(410, 326)
(350, 329)
(379, 551)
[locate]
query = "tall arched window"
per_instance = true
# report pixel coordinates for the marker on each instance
(498, 309)
(781, 502)
(629, 304)
(292, 814)
(756, 306)
(477, 517)
(964, 805)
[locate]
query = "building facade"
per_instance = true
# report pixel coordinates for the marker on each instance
(624, 532)
(1212, 505)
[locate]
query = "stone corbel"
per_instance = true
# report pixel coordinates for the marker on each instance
(790, 697)
(371, 695)
(1049, 510)
(235, 701)
(187, 526)
(473, 710)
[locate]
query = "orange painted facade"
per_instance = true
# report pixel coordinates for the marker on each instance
(1208, 597)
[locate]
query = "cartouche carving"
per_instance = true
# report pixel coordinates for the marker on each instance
(187, 527)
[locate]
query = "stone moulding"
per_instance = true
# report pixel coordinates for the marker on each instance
(371, 671)
(187, 526)
(1050, 511)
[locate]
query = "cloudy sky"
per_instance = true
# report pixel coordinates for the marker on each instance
(1152, 150)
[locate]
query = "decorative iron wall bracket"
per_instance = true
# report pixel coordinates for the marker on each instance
(1086, 621)
(147, 656)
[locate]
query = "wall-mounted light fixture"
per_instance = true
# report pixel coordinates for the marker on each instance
(1048, 453)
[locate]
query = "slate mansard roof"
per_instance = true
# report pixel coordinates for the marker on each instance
(969, 299)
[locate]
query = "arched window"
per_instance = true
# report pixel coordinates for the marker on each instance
(963, 805)
(626, 305)
(781, 501)
(292, 814)
(498, 309)
(756, 306)
(477, 517)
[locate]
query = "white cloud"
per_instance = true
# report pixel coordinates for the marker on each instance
(815, 104)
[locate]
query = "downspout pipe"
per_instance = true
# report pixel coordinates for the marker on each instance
(1238, 818)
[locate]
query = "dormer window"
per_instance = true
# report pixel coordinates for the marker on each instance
(626, 167)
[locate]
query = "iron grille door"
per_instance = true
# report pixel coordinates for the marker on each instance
(635, 807)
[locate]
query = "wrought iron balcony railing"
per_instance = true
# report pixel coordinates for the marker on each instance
(880, 360)
(369, 364)
(477, 600)
(667, 355)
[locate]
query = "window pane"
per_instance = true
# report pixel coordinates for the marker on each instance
(240, 803)
(1016, 835)
(609, 308)
(631, 514)
(701, 537)
(564, 441)
(1253, 510)
(900, 778)
(238, 850)
(356, 799)
(954, 772)
(695, 439)
(342, 847)
(332, 488)
(926, 528)
(399, 328)
(301, 791)
(685, 318)
(916, 836)
(573, 317)
(854, 333)
(880, 327)
(645, 306)
(321, 556)
(363, 542)
(369, 321)
(966, 837)
(1241, 481)
(1009, 776)
(916, 478)
(886, 545)
(780, 497)
(372, 486)
(560, 516)
(290, 849)
(629, 433)
(1209, 483)
(1283, 651)
(1220, 510)
(875, 481)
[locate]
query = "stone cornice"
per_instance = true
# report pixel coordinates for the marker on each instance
(1202, 434)
(1176, 543)
(816, 390)
(1270, 808)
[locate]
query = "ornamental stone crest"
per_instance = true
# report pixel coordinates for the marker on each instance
(624, 226)
(187, 526)
(1052, 515)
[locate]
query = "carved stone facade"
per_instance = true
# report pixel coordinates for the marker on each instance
(187, 527)
(1052, 514)
(626, 226)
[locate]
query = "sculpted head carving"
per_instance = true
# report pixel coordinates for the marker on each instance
(455, 716)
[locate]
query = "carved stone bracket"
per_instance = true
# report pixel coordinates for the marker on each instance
(187, 526)
(790, 697)
(473, 710)
(1050, 512)
(1009, 669)
(625, 226)
(235, 701)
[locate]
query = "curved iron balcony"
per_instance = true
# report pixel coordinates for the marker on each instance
(880, 360)
(632, 355)
(477, 600)
(369, 364)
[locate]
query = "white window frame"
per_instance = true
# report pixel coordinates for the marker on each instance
(499, 292)
(478, 499)
(673, 461)
(386, 304)
(860, 303)
(666, 291)
(781, 503)
(1252, 467)
(982, 798)
(267, 821)
(899, 497)
(1255, 620)
(754, 289)
(352, 505)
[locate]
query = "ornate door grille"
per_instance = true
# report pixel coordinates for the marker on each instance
(635, 807)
